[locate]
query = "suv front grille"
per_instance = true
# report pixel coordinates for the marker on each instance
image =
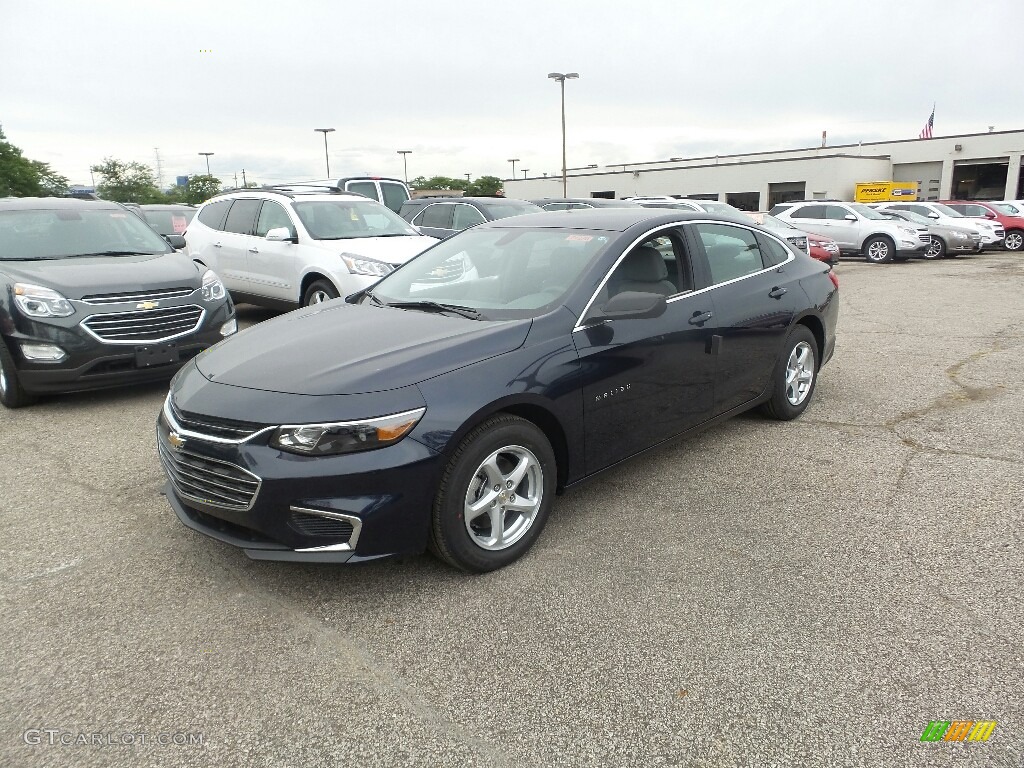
(215, 426)
(138, 296)
(208, 481)
(925, 238)
(146, 325)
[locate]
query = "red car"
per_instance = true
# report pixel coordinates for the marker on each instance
(1012, 223)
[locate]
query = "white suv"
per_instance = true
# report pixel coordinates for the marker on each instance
(285, 248)
(859, 229)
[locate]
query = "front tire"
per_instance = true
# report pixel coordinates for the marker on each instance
(795, 376)
(937, 249)
(879, 250)
(1014, 240)
(318, 292)
(12, 394)
(495, 495)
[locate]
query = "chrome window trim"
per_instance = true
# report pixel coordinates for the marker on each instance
(138, 342)
(348, 546)
(582, 324)
(180, 430)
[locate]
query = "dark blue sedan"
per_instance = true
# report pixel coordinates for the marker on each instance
(449, 404)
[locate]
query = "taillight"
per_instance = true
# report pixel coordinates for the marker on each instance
(834, 278)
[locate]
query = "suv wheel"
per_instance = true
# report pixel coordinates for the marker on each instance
(1014, 240)
(319, 292)
(879, 250)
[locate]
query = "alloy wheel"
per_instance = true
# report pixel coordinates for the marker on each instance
(318, 297)
(1014, 241)
(504, 497)
(878, 250)
(936, 249)
(799, 373)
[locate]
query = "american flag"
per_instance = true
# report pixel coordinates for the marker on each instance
(926, 132)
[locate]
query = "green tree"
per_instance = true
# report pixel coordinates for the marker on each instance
(21, 177)
(485, 186)
(438, 182)
(127, 182)
(199, 189)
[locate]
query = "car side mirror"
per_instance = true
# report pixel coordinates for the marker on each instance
(177, 242)
(633, 305)
(933, 215)
(281, 235)
(989, 215)
(850, 217)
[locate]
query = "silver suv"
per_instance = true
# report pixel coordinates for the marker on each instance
(860, 230)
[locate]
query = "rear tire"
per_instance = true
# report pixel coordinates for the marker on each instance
(937, 250)
(12, 394)
(879, 250)
(318, 292)
(795, 376)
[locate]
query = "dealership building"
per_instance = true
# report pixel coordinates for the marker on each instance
(973, 166)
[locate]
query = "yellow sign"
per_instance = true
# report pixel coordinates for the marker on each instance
(885, 191)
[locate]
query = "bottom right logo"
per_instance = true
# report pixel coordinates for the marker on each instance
(958, 730)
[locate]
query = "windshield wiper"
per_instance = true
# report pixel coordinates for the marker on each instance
(434, 306)
(368, 294)
(112, 253)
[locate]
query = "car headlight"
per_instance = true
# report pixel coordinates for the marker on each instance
(908, 232)
(360, 265)
(37, 301)
(213, 288)
(345, 436)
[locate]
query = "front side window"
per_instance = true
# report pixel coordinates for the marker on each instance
(271, 217)
(242, 216)
(466, 216)
(809, 212)
(58, 234)
(659, 264)
(836, 213)
(732, 252)
(346, 219)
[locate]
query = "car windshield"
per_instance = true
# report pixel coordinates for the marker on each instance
(867, 213)
(948, 211)
(1006, 208)
(502, 273)
(69, 232)
(768, 221)
(917, 218)
(168, 221)
(712, 207)
(507, 208)
(345, 219)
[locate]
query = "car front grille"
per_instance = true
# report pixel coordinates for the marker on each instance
(315, 525)
(145, 326)
(925, 238)
(138, 296)
(228, 429)
(208, 481)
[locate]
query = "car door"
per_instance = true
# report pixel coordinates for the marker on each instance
(845, 231)
(645, 380)
(747, 274)
(810, 218)
(273, 265)
(435, 220)
(235, 241)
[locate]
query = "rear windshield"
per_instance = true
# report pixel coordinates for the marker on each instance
(168, 222)
(58, 234)
(505, 209)
(1010, 210)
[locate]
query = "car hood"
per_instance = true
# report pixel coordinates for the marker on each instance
(340, 349)
(392, 250)
(78, 277)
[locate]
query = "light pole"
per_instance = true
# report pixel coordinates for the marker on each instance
(207, 155)
(524, 170)
(561, 78)
(405, 167)
(513, 160)
(327, 157)
(467, 176)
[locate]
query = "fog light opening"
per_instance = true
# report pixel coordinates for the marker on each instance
(229, 327)
(47, 352)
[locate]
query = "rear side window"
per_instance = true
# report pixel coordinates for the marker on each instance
(367, 188)
(438, 215)
(242, 216)
(809, 212)
(732, 252)
(773, 252)
(394, 195)
(213, 214)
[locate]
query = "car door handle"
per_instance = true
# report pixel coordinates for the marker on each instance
(216, 245)
(777, 292)
(254, 249)
(699, 318)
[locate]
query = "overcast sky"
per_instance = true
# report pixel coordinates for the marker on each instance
(462, 83)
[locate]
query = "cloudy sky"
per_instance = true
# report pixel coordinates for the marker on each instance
(462, 83)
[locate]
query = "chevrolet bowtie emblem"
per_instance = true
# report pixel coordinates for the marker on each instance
(176, 440)
(147, 305)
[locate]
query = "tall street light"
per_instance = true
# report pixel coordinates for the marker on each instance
(405, 167)
(561, 78)
(525, 171)
(513, 160)
(207, 155)
(327, 157)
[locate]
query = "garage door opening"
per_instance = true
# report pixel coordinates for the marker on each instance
(785, 192)
(745, 201)
(979, 180)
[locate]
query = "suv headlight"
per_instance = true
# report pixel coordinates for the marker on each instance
(908, 232)
(345, 436)
(37, 301)
(213, 288)
(360, 265)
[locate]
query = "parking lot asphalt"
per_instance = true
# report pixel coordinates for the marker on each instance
(809, 593)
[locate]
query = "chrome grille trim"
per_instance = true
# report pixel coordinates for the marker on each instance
(100, 299)
(144, 326)
(174, 419)
(347, 546)
(191, 475)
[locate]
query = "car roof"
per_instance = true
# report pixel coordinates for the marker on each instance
(609, 219)
(55, 204)
(259, 194)
(168, 207)
(597, 202)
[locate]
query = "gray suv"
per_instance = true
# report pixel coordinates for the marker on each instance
(860, 230)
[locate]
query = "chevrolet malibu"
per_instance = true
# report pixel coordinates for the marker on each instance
(446, 406)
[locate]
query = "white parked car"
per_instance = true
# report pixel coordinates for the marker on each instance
(859, 229)
(991, 232)
(284, 248)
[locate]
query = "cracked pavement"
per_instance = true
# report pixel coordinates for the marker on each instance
(810, 593)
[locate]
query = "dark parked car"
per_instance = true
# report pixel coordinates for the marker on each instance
(168, 219)
(581, 203)
(445, 407)
(442, 217)
(92, 297)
